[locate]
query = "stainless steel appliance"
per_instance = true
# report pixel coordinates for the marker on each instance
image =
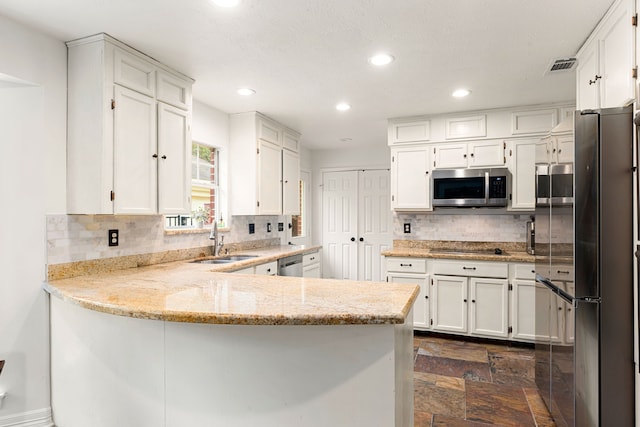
(290, 266)
(584, 321)
(554, 183)
(470, 187)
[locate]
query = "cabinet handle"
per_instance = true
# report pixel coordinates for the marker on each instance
(155, 156)
(563, 272)
(405, 265)
(595, 79)
(164, 157)
(468, 268)
(268, 270)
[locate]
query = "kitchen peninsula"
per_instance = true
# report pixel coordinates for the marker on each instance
(180, 343)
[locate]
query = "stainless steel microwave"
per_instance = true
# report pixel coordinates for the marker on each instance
(470, 187)
(554, 185)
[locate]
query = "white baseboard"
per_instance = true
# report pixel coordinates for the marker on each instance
(37, 418)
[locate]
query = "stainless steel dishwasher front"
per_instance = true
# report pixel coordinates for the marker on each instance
(290, 266)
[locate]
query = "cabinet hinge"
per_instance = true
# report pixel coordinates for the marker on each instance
(510, 153)
(510, 287)
(257, 150)
(393, 159)
(504, 145)
(510, 329)
(510, 196)
(113, 195)
(434, 163)
(431, 282)
(258, 204)
(634, 20)
(634, 72)
(505, 160)
(393, 198)
(431, 322)
(113, 104)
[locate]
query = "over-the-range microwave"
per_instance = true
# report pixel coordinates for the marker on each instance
(470, 187)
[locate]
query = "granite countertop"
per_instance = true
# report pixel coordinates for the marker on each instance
(183, 291)
(478, 251)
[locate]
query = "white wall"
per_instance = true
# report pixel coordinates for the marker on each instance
(32, 183)
(347, 158)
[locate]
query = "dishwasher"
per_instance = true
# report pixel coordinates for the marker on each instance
(290, 266)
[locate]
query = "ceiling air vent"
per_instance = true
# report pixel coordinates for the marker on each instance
(561, 65)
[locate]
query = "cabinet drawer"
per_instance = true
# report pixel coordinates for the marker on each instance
(173, 91)
(268, 269)
(134, 73)
(471, 268)
(312, 258)
(524, 271)
(408, 265)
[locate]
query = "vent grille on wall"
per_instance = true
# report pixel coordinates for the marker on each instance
(561, 65)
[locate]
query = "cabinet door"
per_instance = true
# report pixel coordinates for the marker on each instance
(134, 140)
(267, 269)
(483, 154)
(450, 156)
(588, 95)
(522, 156)
(409, 132)
(543, 151)
(410, 178)
(134, 72)
(269, 131)
(174, 160)
(616, 57)
(290, 183)
(290, 141)
(564, 149)
(489, 309)
(172, 90)
(449, 303)
(523, 310)
(312, 271)
(421, 306)
(269, 175)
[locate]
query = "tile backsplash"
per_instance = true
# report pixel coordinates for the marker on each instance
(461, 227)
(72, 238)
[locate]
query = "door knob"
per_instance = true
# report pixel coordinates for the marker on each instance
(353, 239)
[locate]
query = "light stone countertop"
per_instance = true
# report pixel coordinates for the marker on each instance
(473, 251)
(182, 291)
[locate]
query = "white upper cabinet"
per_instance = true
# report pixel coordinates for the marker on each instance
(409, 131)
(522, 157)
(410, 178)
(265, 166)
(127, 152)
(604, 76)
(469, 154)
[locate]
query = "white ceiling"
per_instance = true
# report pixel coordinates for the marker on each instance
(304, 56)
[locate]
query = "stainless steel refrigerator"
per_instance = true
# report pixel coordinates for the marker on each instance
(584, 270)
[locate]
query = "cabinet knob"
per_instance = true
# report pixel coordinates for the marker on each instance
(471, 154)
(353, 239)
(464, 156)
(473, 301)
(362, 239)
(155, 156)
(465, 300)
(164, 157)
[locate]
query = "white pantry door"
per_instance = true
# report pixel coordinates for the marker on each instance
(356, 224)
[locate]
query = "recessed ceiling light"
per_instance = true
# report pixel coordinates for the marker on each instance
(245, 91)
(460, 93)
(343, 106)
(381, 59)
(226, 3)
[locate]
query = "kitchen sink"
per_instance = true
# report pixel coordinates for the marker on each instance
(225, 259)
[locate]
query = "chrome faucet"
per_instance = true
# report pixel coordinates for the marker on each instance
(217, 246)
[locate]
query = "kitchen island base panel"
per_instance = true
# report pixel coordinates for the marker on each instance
(110, 370)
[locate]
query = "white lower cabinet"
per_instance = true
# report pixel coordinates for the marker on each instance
(311, 265)
(412, 271)
(267, 269)
(470, 305)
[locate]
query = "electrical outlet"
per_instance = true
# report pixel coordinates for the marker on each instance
(268, 227)
(252, 228)
(114, 238)
(281, 226)
(407, 227)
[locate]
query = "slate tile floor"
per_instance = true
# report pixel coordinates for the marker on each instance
(459, 383)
